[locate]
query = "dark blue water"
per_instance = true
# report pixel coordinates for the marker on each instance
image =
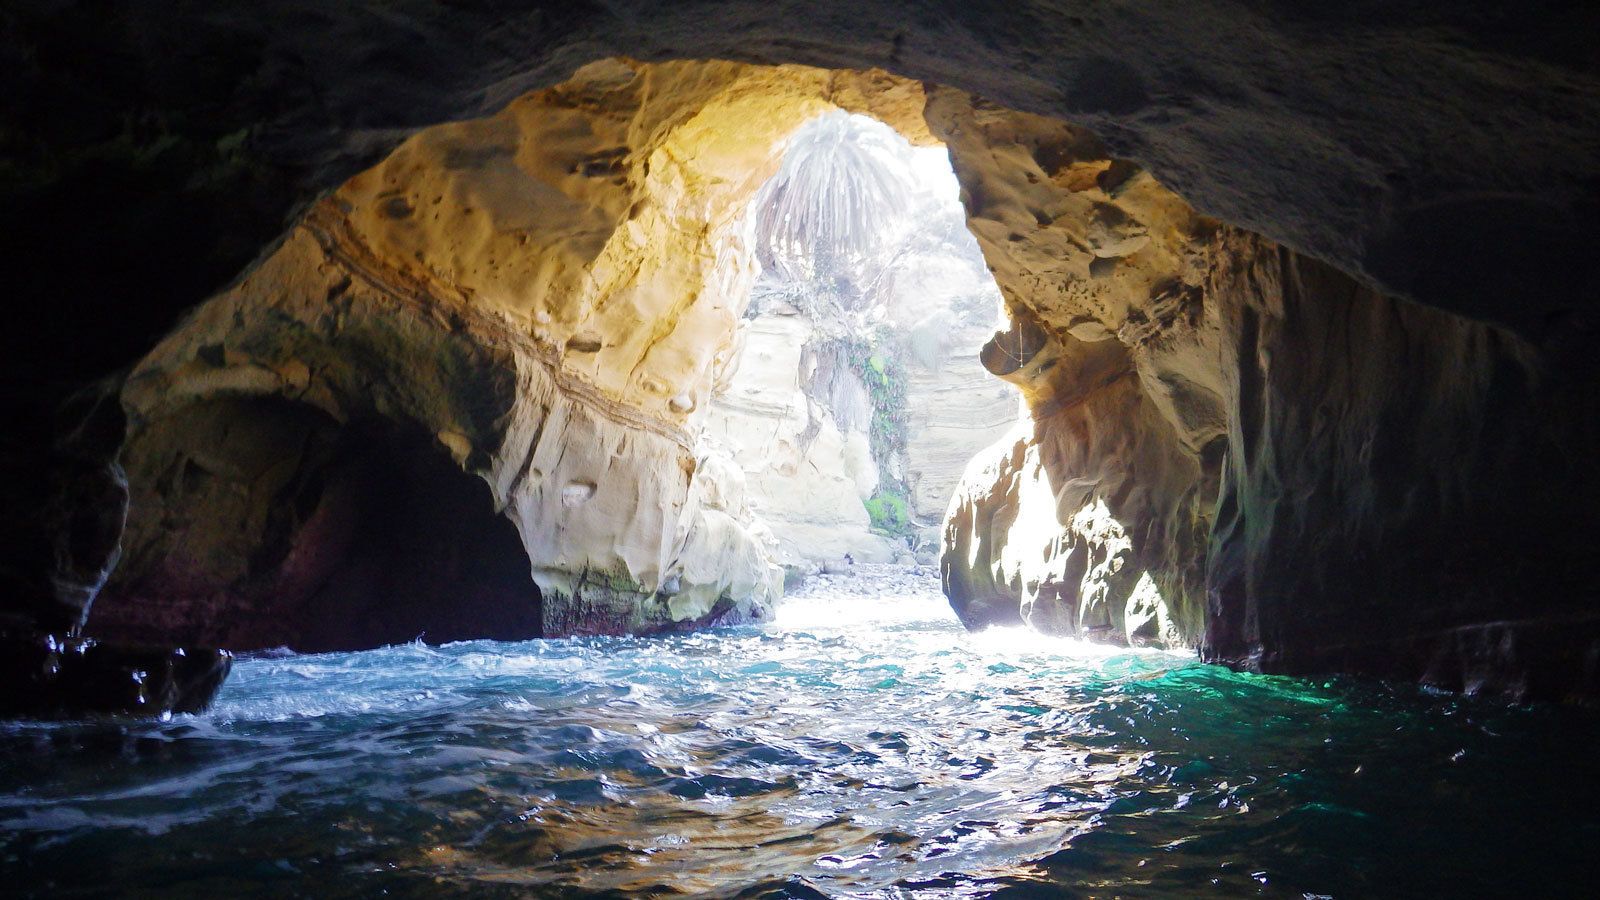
(859, 747)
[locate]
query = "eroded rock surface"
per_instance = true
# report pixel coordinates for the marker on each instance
(543, 301)
(1237, 447)
(51, 676)
(1091, 518)
(1405, 492)
(1357, 133)
(803, 447)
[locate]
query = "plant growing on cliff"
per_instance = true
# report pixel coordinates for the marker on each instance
(844, 228)
(840, 204)
(890, 513)
(885, 379)
(872, 360)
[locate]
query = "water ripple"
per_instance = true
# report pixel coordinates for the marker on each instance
(862, 745)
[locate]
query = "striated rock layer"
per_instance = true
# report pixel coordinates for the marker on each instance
(857, 397)
(803, 447)
(955, 409)
(796, 418)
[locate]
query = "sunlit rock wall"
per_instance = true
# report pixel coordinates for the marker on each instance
(797, 414)
(1443, 151)
(945, 307)
(1091, 517)
(955, 409)
(548, 297)
(798, 425)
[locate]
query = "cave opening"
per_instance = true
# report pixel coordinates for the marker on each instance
(858, 397)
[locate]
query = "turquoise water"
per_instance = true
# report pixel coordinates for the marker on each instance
(855, 748)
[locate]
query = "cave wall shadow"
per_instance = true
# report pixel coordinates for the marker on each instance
(1406, 493)
(273, 525)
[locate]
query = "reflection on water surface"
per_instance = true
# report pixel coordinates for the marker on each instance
(860, 746)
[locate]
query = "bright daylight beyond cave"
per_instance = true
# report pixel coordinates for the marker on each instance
(858, 397)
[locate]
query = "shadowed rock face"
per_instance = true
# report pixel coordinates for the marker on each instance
(1238, 447)
(1397, 489)
(1443, 149)
(270, 525)
(47, 677)
(1404, 492)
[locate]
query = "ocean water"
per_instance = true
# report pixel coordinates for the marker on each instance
(863, 745)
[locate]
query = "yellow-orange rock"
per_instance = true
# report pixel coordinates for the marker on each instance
(549, 296)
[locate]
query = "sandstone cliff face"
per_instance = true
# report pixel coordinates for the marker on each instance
(800, 430)
(545, 301)
(955, 410)
(858, 397)
(946, 306)
(807, 459)
(1091, 519)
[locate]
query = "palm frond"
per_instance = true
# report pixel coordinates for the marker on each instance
(841, 197)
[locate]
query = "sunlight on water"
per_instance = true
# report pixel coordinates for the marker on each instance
(861, 745)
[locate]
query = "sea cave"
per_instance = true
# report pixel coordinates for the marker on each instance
(799, 450)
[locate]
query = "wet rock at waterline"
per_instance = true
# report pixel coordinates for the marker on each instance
(44, 676)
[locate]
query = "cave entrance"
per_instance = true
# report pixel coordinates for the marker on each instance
(563, 303)
(859, 396)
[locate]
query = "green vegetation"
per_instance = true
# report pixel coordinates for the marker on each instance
(837, 207)
(843, 215)
(885, 379)
(890, 513)
(880, 369)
